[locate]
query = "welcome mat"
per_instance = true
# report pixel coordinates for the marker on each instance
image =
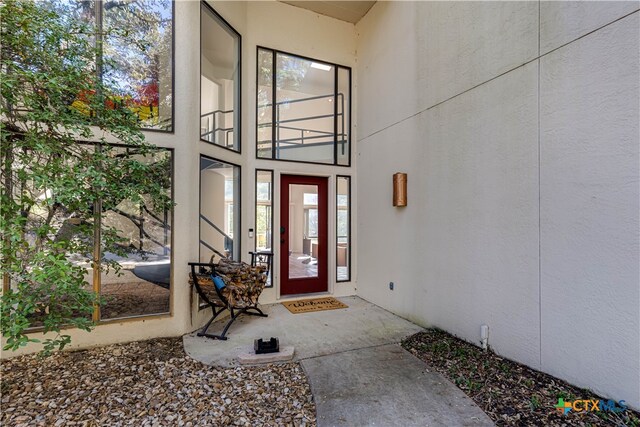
(315, 304)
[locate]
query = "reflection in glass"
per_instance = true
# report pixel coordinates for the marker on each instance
(304, 109)
(80, 17)
(264, 210)
(343, 228)
(219, 81)
(303, 231)
(138, 55)
(311, 112)
(140, 283)
(72, 10)
(265, 98)
(264, 213)
(68, 221)
(219, 209)
(343, 136)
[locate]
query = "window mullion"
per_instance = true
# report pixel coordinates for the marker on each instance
(97, 253)
(335, 115)
(274, 104)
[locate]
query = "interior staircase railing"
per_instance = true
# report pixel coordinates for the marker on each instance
(309, 136)
(210, 129)
(228, 240)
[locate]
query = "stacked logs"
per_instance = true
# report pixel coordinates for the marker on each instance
(244, 283)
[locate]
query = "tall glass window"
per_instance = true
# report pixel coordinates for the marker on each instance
(219, 209)
(264, 210)
(264, 213)
(303, 110)
(76, 223)
(265, 99)
(343, 116)
(219, 80)
(343, 228)
(135, 273)
(141, 71)
(137, 54)
(138, 279)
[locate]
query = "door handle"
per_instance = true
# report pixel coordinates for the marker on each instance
(282, 241)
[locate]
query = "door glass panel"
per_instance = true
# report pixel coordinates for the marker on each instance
(303, 231)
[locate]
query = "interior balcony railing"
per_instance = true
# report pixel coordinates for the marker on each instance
(227, 252)
(314, 135)
(209, 129)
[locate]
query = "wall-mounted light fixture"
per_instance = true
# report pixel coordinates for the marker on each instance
(400, 189)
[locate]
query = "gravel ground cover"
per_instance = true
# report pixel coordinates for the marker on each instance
(510, 393)
(149, 383)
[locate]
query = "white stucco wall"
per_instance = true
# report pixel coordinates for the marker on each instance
(517, 123)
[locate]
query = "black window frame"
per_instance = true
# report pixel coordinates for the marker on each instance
(239, 233)
(96, 278)
(238, 109)
(255, 225)
(349, 239)
(335, 66)
(98, 10)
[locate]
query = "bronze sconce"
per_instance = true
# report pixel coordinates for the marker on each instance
(400, 189)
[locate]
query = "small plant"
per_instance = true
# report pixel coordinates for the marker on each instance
(534, 402)
(561, 394)
(461, 353)
(467, 383)
(440, 348)
(505, 368)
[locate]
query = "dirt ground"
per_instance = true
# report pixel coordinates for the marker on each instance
(510, 393)
(135, 298)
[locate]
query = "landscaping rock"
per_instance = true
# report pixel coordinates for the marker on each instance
(150, 383)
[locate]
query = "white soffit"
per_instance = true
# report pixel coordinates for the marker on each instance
(349, 11)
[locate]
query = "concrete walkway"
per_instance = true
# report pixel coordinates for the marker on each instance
(386, 386)
(358, 373)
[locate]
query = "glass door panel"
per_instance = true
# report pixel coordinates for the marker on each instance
(303, 231)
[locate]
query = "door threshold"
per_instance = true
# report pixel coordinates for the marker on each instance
(304, 296)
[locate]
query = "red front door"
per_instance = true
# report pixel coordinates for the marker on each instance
(303, 235)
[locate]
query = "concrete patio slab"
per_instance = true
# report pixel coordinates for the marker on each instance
(312, 334)
(386, 386)
(359, 375)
